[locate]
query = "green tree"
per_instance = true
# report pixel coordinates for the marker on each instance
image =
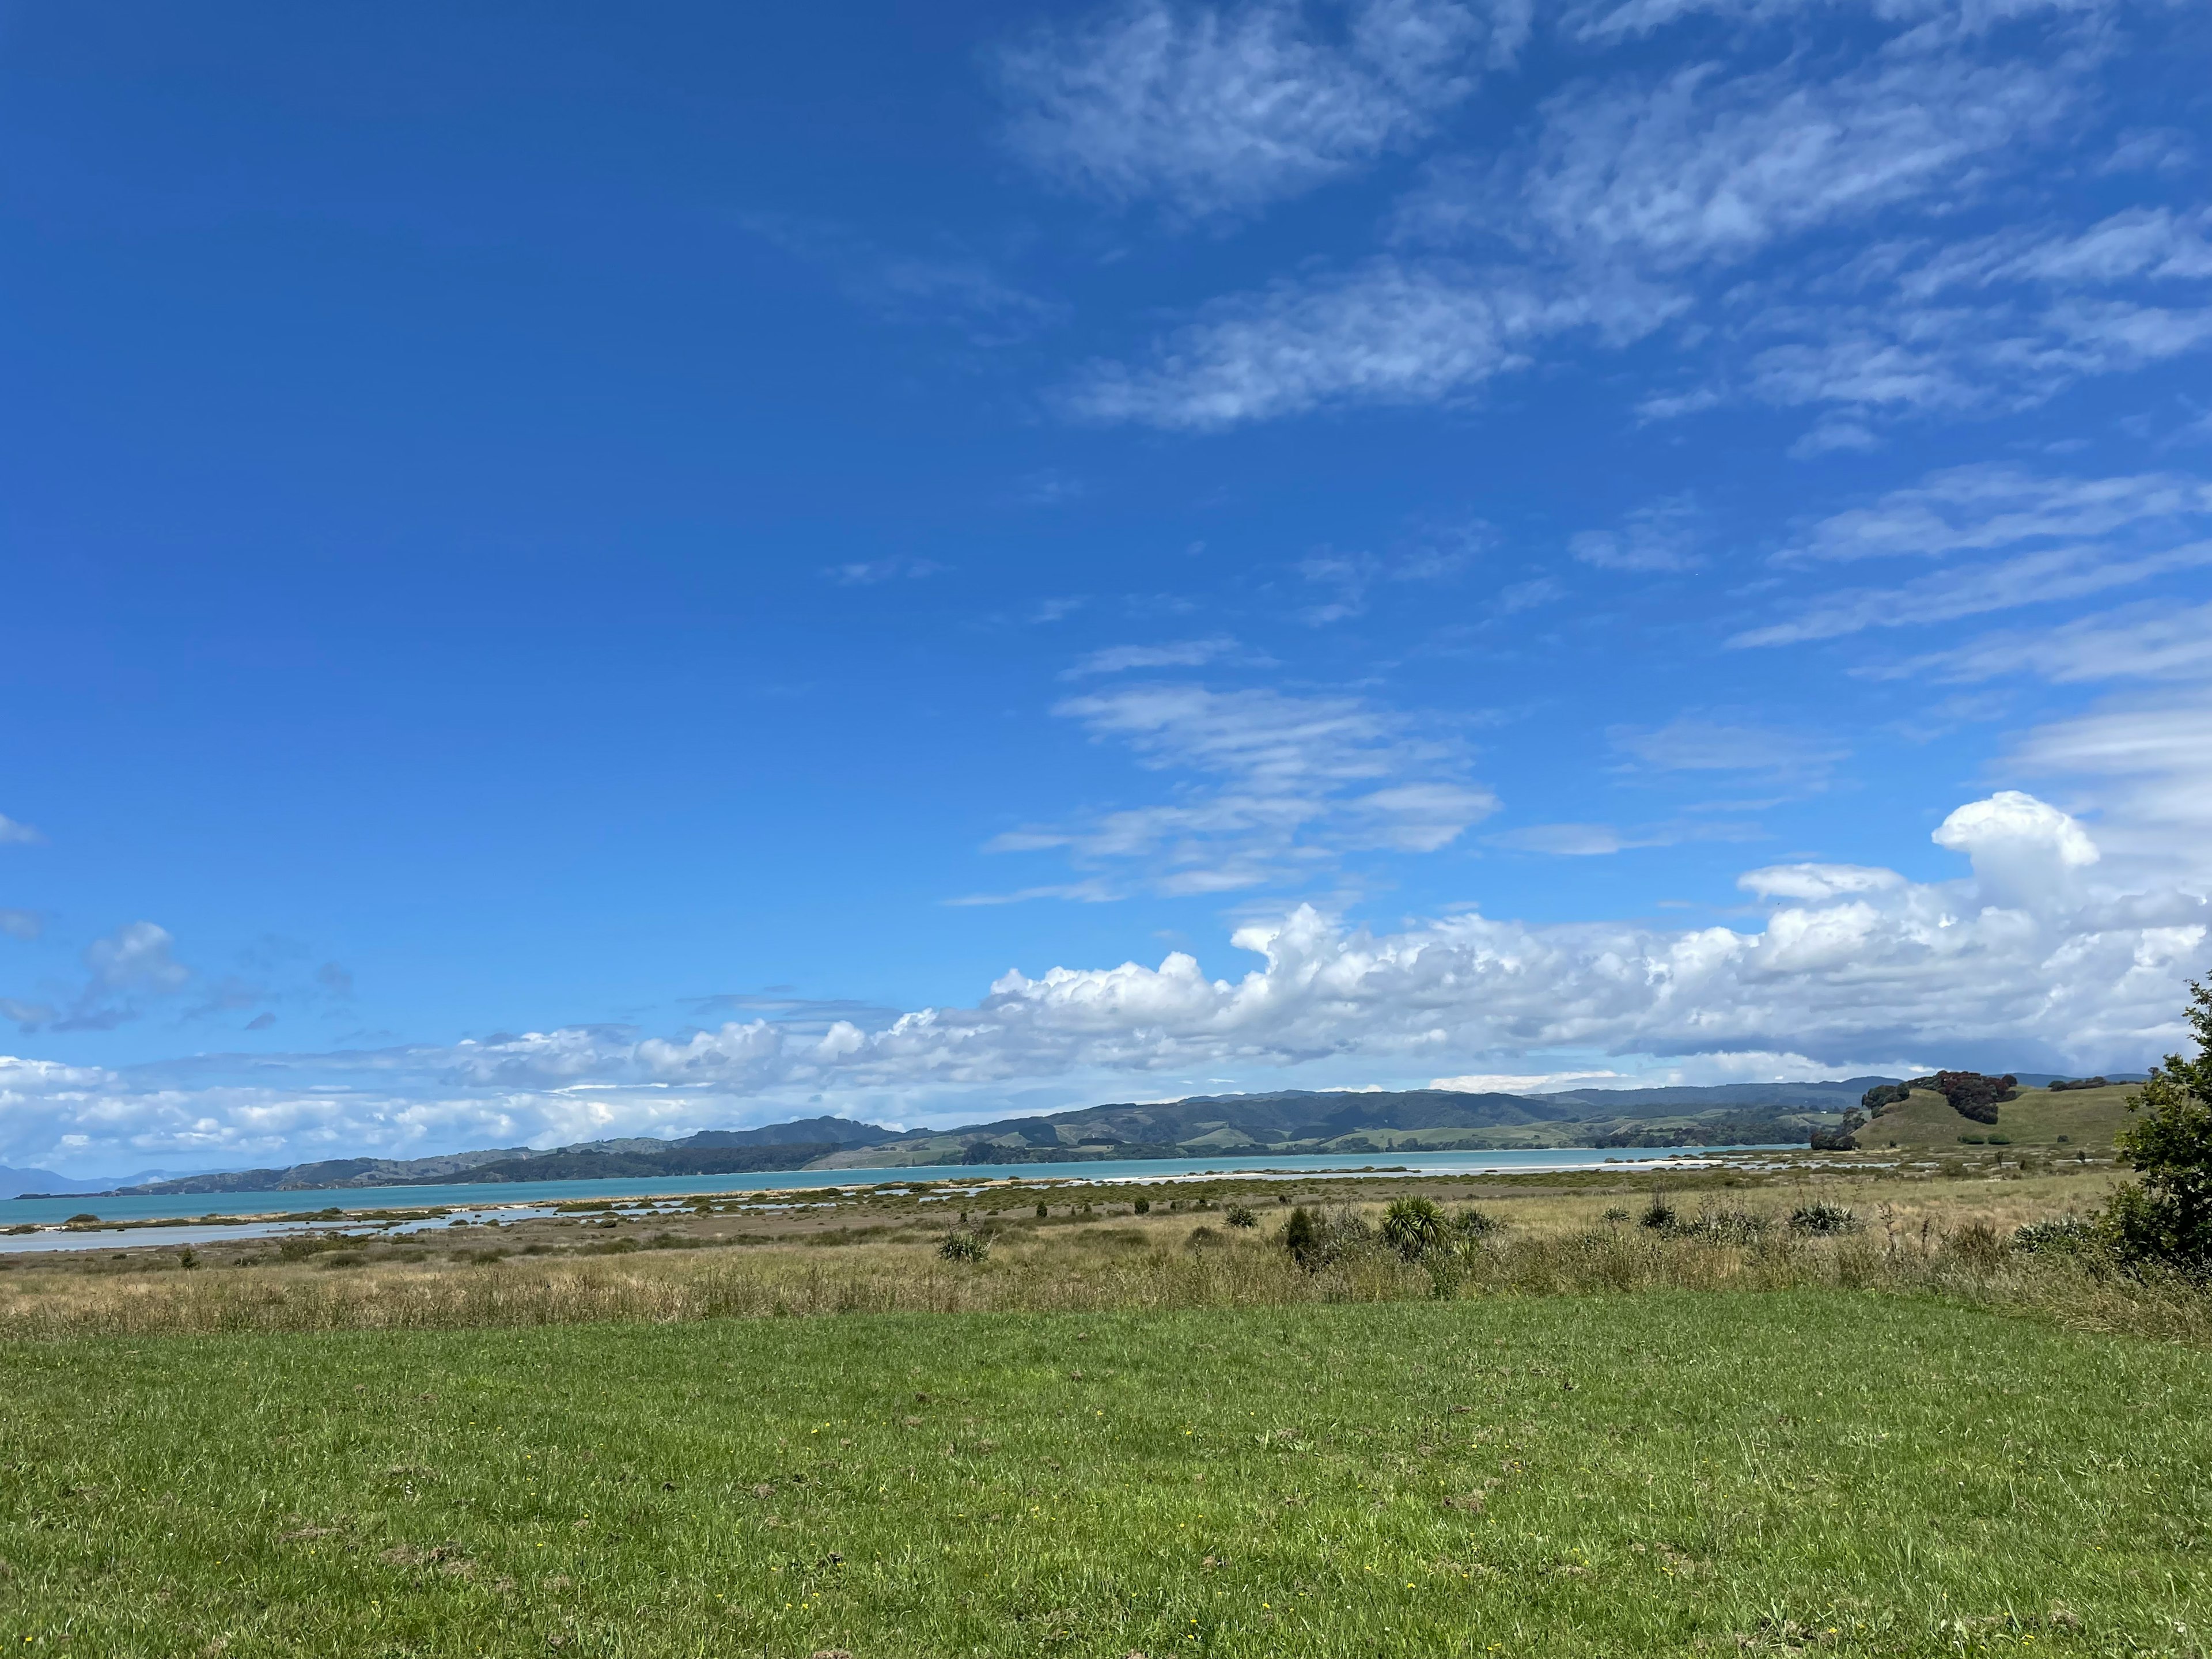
(2166, 1216)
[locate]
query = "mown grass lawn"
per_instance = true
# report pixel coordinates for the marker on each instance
(1650, 1474)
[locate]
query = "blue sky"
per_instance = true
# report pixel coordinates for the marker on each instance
(576, 574)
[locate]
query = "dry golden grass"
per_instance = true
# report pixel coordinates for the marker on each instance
(1944, 1238)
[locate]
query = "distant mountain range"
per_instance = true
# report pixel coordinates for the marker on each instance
(16, 1183)
(1287, 1121)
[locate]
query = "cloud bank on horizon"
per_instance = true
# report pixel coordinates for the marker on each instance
(1854, 968)
(1668, 540)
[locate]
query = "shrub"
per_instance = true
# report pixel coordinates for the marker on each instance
(1044, 1210)
(2059, 1086)
(2166, 1216)
(1238, 1216)
(1616, 1215)
(1823, 1219)
(2065, 1235)
(1201, 1236)
(1314, 1239)
(1883, 1096)
(1414, 1227)
(1658, 1214)
(1726, 1226)
(1471, 1223)
(1143, 1206)
(963, 1246)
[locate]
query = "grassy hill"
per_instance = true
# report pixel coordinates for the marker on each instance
(2087, 1118)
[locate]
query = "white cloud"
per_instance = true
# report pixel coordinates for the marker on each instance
(1628, 191)
(13, 834)
(2146, 244)
(1567, 840)
(1703, 166)
(2149, 641)
(1661, 536)
(1602, 840)
(1818, 883)
(2056, 538)
(873, 572)
(1692, 742)
(2038, 578)
(1180, 654)
(2146, 762)
(1981, 509)
(2043, 952)
(21, 924)
(1219, 110)
(1393, 331)
(1606, 21)
(1515, 1082)
(1289, 787)
(123, 971)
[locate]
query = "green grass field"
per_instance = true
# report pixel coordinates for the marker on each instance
(1665, 1473)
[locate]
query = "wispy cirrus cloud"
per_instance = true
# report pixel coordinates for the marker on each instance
(1704, 743)
(951, 286)
(1393, 331)
(2006, 538)
(1176, 654)
(1661, 536)
(1270, 788)
(873, 573)
(1981, 509)
(1632, 197)
(2147, 640)
(1216, 109)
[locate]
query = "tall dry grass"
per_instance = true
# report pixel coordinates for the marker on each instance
(1080, 1274)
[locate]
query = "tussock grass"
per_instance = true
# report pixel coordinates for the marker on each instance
(1113, 1270)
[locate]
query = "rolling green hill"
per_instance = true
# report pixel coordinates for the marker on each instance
(2087, 1118)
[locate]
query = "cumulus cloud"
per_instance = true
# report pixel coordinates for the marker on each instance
(1277, 787)
(1220, 110)
(2041, 950)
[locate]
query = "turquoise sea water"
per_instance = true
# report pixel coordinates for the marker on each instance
(479, 1195)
